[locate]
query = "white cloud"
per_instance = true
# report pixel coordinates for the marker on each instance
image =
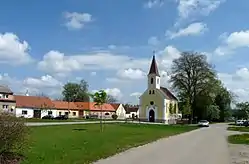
(153, 3)
(44, 81)
(153, 41)
(232, 42)
(76, 20)
(135, 94)
(57, 63)
(12, 50)
(197, 28)
(115, 92)
(93, 73)
(192, 8)
(237, 82)
(133, 74)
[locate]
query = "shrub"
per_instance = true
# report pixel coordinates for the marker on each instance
(13, 136)
(114, 116)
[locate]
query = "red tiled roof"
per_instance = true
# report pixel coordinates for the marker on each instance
(105, 107)
(65, 105)
(82, 105)
(115, 106)
(33, 102)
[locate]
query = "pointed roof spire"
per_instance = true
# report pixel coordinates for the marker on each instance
(153, 66)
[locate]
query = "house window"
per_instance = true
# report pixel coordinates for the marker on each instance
(59, 113)
(151, 80)
(24, 112)
(74, 113)
(152, 103)
(11, 110)
(50, 112)
(150, 92)
(153, 92)
(5, 106)
(6, 96)
(66, 113)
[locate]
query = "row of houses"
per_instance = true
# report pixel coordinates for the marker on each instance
(38, 107)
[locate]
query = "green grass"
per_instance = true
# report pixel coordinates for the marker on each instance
(239, 139)
(68, 120)
(240, 129)
(78, 144)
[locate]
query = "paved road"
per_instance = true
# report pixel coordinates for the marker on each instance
(203, 146)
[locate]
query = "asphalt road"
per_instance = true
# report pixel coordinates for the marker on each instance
(202, 146)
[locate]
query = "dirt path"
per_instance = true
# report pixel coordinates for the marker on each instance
(203, 146)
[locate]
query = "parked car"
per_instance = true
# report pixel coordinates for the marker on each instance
(246, 123)
(61, 117)
(203, 123)
(48, 117)
(240, 122)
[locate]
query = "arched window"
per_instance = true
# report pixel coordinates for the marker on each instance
(151, 80)
(157, 81)
(150, 92)
(153, 92)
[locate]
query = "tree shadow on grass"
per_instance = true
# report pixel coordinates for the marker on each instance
(79, 129)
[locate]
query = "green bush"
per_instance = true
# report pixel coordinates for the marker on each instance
(13, 136)
(114, 116)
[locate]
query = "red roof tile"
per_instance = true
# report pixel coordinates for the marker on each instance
(33, 102)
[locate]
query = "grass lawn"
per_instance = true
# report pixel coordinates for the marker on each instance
(78, 144)
(239, 139)
(68, 120)
(240, 129)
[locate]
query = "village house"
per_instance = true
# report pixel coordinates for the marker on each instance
(66, 108)
(132, 111)
(7, 100)
(33, 106)
(120, 111)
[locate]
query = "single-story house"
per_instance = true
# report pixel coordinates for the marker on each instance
(66, 108)
(90, 109)
(120, 110)
(33, 106)
(132, 111)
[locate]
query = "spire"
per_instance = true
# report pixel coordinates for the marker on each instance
(153, 66)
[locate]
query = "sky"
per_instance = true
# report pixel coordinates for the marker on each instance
(45, 44)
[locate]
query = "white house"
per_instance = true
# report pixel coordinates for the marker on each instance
(132, 111)
(34, 106)
(120, 111)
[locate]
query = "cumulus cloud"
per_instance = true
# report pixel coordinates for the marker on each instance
(194, 29)
(115, 92)
(13, 50)
(237, 82)
(75, 20)
(233, 41)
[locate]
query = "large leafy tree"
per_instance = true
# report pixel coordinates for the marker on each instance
(110, 99)
(242, 110)
(73, 92)
(223, 99)
(193, 77)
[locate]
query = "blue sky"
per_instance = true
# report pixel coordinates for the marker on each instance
(44, 44)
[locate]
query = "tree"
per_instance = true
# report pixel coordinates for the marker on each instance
(100, 98)
(171, 108)
(213, 112)
(186, 109)
(192, 76)
(74, 92)
(111, 99)
(243, 110)
(223, 99)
